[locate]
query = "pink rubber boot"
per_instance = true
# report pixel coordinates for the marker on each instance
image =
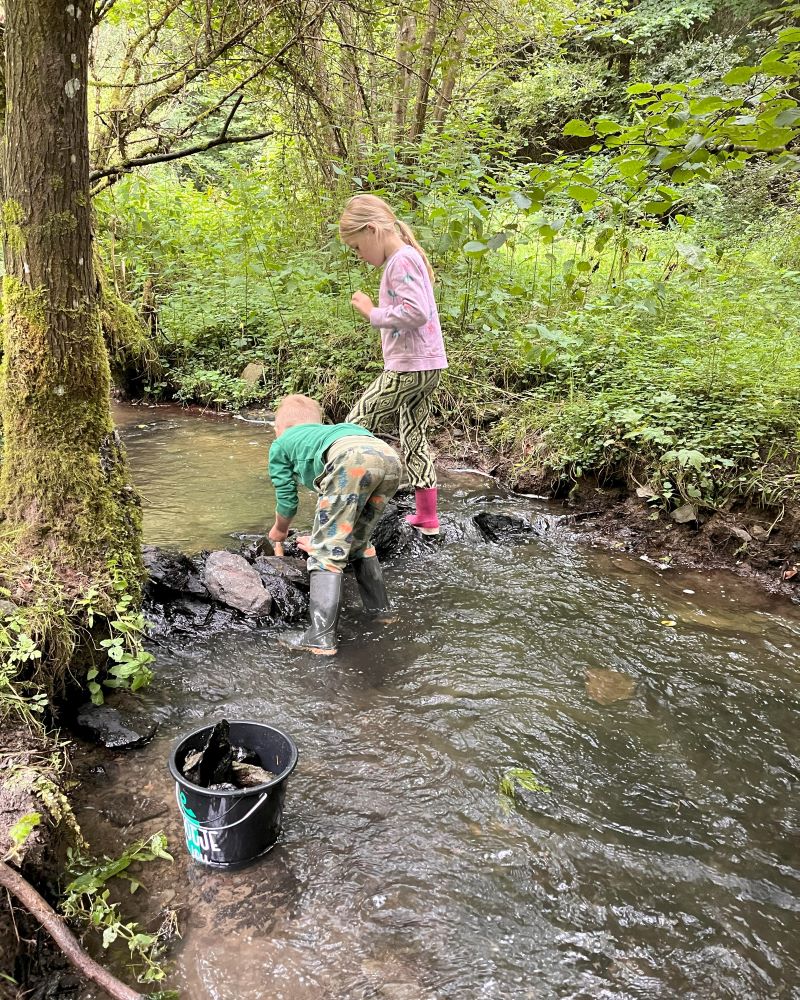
(425, 520)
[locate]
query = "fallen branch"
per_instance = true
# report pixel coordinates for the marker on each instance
(56, 927)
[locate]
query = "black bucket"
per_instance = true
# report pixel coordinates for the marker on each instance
(228, 829)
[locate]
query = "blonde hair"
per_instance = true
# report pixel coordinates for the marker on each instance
(363, 210)
(296, 409)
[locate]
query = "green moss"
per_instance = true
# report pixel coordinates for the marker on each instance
(131, 352)
(58, 224)
(12, 215)
(67, 503)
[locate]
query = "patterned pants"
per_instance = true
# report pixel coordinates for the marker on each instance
(405, 396)
(360, 475)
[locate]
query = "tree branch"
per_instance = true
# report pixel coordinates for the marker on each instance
(56, 927)
(177, 154)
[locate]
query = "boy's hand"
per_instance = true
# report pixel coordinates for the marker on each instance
(362, 303)
(277, 535)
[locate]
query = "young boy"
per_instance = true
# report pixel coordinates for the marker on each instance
(354, 474)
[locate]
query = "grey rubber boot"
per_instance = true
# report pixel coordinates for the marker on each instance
(323, 608)
(369, 577)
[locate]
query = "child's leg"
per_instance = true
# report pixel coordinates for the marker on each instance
(391, 391)
(413, 423)
(385, 470)
(344, 517)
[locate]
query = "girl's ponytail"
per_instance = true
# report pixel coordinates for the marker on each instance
(409, 237)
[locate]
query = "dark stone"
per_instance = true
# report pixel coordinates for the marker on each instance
(111, 728)
(289, 600)
(393, 533)
(173, 570)
(271, 567)
(212, 764)
(502, 527)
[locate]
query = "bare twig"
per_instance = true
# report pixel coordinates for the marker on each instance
(176, 154)
(56, 927)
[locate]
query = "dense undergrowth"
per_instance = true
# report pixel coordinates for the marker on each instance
(665, 356)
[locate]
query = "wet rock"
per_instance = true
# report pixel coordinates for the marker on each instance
(244, 755)
(251, 775)
(293, 570)
(231, 580)
(112, 728)
(173, 570)
(211, 765)
(289, 600)
(222, 767)
(393, 534)
(256, 546)
(502, 527)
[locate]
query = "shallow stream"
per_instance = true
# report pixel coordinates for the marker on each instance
(663, 862)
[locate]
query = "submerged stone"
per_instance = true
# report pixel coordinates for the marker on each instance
(111, 728)
(607, 686)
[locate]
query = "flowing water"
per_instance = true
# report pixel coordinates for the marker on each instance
(663, 862)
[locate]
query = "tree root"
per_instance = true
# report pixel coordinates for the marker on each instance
(56, 927)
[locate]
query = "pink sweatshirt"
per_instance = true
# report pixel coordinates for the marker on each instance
(411, 336)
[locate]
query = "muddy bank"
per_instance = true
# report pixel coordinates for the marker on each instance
(32, 781)
(757, 544)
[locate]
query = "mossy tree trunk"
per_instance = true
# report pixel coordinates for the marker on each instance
(64, 492)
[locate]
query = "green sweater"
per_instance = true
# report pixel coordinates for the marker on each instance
(298, 455)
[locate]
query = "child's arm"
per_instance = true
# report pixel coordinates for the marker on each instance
(281, 473)
(409, 309)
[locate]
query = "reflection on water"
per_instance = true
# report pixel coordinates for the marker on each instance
(202, 477)
(663, 863)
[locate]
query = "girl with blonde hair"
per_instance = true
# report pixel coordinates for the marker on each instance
(411, 340)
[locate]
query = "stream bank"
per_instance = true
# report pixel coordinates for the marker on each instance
(759, 545)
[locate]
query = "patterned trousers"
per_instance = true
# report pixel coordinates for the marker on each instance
(406, 397)
(360, 475)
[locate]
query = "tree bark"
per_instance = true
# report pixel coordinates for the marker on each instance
(405, 40)
(452, 65)
(64, 487)
(426, 64)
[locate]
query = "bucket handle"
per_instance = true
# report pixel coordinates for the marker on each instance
(218, 829)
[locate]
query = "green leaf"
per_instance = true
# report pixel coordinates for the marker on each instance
(789, 116)
(497, 240)
(605, 126)
(656, 207)
(706, 105)
(640, 88)
(742, 74)
(577, 127)
(789, 36)
(475, 247)
(521, 200)
(774, 138)
(581, 193)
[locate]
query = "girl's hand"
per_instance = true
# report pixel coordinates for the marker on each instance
(304, 543)
(362, 303)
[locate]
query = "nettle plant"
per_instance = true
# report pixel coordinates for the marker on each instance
(129, 663)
